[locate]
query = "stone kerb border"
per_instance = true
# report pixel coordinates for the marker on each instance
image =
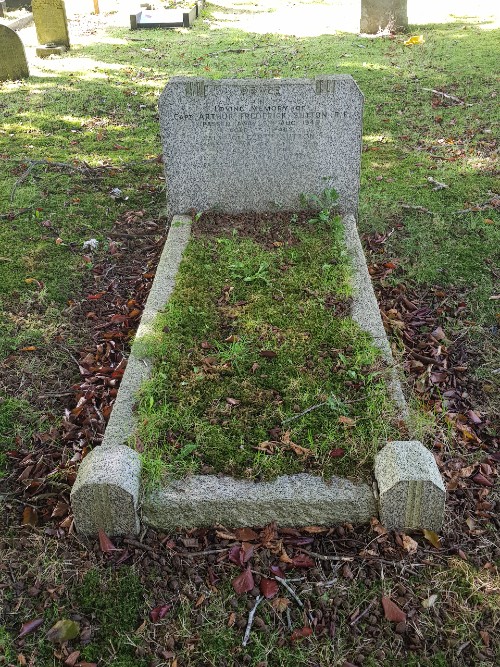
(107, 493)
(19, 24)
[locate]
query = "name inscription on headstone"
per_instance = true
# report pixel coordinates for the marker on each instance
(256, 145)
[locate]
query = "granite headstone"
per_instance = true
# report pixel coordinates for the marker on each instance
(382, 15)
(13, 63)
(245, 144)
(51, 22)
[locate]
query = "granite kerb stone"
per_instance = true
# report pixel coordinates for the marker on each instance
(201, 500)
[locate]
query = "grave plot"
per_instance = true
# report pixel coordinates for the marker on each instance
(178, 17)
(259, 368)
(261, 365)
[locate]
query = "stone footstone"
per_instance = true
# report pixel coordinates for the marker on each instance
(411, 491)
(380, 15)
(106, 492)
(51, 22)
(13, 63)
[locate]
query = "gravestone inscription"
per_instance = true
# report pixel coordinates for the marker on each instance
(13, 63)
(254, 144)
(51, 22)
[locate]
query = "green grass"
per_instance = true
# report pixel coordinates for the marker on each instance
(213, 399)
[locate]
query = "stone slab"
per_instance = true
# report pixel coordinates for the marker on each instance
(411, 491)
(21, 23)
(106, 492)
(51, 22)
(295, 500)
(122, 422)
(382, 15)
(13, 63)
(254, 144)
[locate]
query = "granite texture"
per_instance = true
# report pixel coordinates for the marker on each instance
(51, 22)
(13, 63)
(122, 422)
(365, 310)
(295, 500)
(255, 144)
(106, 492)
(411, 491)
(382, 15)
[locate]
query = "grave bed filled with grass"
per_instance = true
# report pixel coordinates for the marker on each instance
(259, 370)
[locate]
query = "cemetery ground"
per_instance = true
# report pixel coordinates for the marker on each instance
(80, 161)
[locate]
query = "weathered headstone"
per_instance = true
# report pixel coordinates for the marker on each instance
(51, 25)
(3, 8)
(13, 63)
(254, 144)
(380, 15)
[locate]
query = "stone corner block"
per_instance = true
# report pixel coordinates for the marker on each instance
(411, 490)
(106, 492)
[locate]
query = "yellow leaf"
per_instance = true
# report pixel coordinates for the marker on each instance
(488, 221)
(416, 39)
(433, 538)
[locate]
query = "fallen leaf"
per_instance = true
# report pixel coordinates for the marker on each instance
(300, 634)
(231, 620)
(232, 401)
(29, 348)
(336, 453)
(392, 612)
(246, 534)
(303, 561)
(409, 544)
(268, 587)
(433, 538)
(29, 627)
(377, 527)
(485, 636)
(347, 421)
(30, 516)
(239, 555)
(244, 582)
(315, 530)
(415, 39)
(277, 571)
(72, 659)
(63, 631)
(280, 604)
(159, 612)
(105, 544)
(481, 479)
(268, 354)
(430, 601)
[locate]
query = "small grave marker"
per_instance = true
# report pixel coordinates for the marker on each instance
(253, 144)
(13, 63)
(181, 17)
(51, 26)
(381, 15)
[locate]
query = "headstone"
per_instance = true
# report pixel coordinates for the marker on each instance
(13, 63)
(164, 18)
(3, 8)
(380, 15)
(254, 144)
(51, 22)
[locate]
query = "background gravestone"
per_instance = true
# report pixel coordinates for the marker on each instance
(256, 144)
(13, 63)
(51, 22)
(383, 14)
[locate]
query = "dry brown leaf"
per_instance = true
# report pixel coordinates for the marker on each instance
(409, 544)
(433, 538)
(392, 612)
(347, 421)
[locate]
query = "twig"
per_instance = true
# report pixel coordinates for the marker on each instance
(258, 46)
(346, 559)
(139, 545)
(448, 97)
(363, 613)
(285, 583)
(250, 619)
(210, 552)
(420, 209)
(304, 412)
(437, 184)
(12, 215)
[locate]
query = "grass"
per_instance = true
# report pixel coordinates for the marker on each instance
(103, 110)
(215, 403)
